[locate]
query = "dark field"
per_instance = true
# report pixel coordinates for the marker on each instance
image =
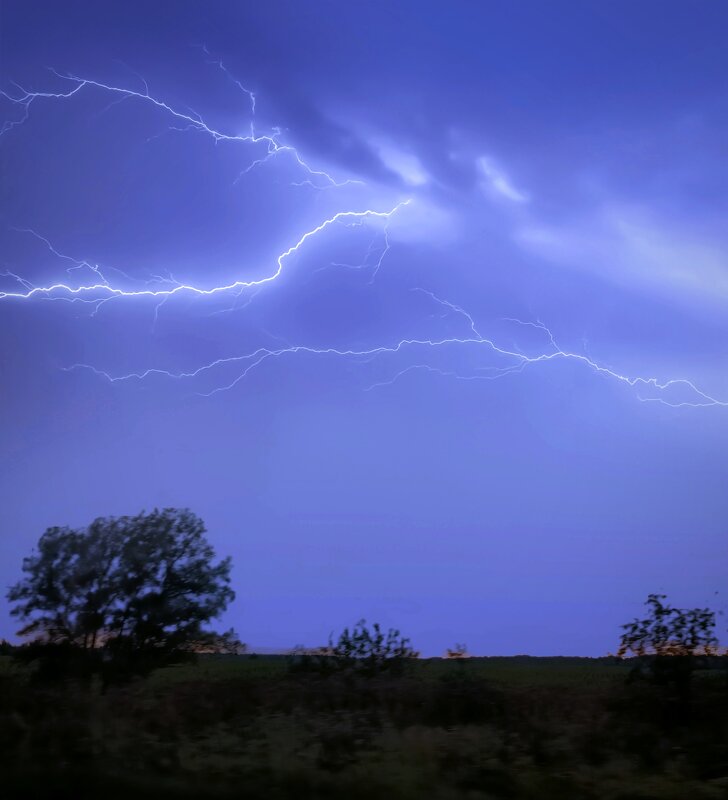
(478, 728)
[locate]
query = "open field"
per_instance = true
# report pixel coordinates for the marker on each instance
(249, 727)
(507, 671)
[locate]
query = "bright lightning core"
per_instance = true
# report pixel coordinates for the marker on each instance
(86, 282)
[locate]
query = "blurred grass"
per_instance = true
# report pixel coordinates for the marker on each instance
(531, 672)
(519, 671)
(481, 729)
(221, 668)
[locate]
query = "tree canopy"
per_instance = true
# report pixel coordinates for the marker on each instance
(669, 643)
(669, 631)
(144, 583)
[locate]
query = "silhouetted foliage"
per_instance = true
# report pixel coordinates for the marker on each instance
(361, 650)
(460, 651)
(129, 589)
(669, 631)
(6, 648)
(669, 643)
(370, 650)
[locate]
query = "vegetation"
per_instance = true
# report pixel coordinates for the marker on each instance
(370, 651)
(243, 727)
(669, 644)
(459, 651)
(133, 590)
(362, 718)
(670, 632)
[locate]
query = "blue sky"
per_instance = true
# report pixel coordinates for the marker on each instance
(471, 376)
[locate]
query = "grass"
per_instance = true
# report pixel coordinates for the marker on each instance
(222, 668)
(245, 727)
(524, 671)
(506, 671)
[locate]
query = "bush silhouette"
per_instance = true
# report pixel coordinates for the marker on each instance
(669, 643)
(370, 651)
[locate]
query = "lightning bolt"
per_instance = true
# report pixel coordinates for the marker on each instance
(218, 63)
(517, 361)
(101, 288)
(190, 120)
(105, 288)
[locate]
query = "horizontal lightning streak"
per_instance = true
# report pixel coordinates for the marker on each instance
(520, 361)
(106, 288)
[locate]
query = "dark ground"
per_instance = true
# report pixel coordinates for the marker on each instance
(249, 727)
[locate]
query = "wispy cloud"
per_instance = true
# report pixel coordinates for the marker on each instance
(405, 164)
(493, 179)
(628, 247)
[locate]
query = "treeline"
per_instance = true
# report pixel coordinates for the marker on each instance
(117, 693)
(126, 595)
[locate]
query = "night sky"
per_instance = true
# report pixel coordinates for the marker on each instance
(484, 400)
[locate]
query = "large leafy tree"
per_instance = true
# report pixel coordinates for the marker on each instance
(142, 584)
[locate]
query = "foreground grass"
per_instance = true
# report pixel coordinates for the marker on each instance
(479, 729)
(505, 671)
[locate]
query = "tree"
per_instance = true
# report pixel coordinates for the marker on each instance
(128, 586)
(669, 642)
